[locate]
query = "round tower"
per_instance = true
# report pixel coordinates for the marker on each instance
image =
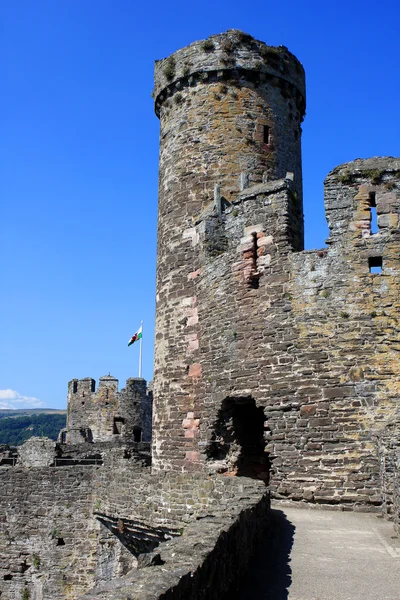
(230, 110)
(228, 105)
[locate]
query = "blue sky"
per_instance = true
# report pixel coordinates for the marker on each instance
(79, 152)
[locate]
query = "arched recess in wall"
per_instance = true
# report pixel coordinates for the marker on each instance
(237, 444)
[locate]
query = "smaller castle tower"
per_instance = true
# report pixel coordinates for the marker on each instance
(107, 415)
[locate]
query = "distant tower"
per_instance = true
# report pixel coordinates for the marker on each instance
(230, 110)
(107, 415)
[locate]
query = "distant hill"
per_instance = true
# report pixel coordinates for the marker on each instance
(17, 426)
(21, 412)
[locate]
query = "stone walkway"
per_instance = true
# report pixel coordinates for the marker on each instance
(326, 555)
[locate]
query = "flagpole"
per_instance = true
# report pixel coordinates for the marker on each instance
(140, 351)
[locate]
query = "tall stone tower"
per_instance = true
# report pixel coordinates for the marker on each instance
(230, 201)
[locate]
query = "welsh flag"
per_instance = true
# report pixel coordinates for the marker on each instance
(136, 337)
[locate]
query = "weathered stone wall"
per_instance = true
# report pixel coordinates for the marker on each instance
(396, 496)
(147, 413)
(107, 414)
(64, 530)
(209, 559)
(167, 498)
(388, 442)
(37, 452)
(48, 537)
(266, 353)
(342, 377)
(52, 545)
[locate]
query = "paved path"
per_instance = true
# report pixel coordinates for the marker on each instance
(326, 555)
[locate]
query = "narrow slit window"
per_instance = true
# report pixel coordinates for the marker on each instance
(374, 218)
(375, 264)
(254, 277)
(266, 134)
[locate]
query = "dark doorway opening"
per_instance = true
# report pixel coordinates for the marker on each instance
(237, 444)
(137, 434)
(118, 426)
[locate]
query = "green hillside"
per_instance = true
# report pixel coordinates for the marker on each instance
(15, 429)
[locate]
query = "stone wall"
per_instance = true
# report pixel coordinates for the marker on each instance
(37, 452)
(396, 496)
(209, 559)
(388, 443)
(64, 530)
(48, 536)
(268, 357)
(107, 414)
(166, 498)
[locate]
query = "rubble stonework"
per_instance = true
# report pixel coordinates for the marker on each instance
(66, 530)
(276, 369)
(245, 317)
(389, 454)
(106, 414)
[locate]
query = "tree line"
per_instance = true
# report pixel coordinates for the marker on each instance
(16, 430)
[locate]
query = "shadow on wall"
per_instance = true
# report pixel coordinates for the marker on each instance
(269, 576)
(237, 444)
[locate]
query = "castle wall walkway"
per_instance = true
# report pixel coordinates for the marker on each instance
(325, 554)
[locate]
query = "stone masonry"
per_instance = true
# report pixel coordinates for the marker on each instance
(230, 111)
(276, 369)
(107, 414)
(268, 356)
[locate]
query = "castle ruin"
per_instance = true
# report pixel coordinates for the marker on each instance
(276, 369)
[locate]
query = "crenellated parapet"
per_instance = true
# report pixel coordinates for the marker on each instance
(106, 414)
(230, 54)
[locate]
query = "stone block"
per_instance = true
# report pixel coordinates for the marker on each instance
(388, 220)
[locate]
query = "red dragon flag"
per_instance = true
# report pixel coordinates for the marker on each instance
(136, 337)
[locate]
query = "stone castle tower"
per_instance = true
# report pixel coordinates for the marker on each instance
(268, 357)
(230, 109)
(105, 414)
(271, 362)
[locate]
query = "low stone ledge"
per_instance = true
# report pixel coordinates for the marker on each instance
(206, 562)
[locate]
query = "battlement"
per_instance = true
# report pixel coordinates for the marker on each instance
(107, 414)
(83, 386)
(233, 54)
(362, 202)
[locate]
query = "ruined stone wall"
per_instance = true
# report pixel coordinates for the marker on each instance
(396, 496)
(211, 556)
(147, 413)
(48, 537)
(107, 414)
(168, 499)
(267, 355)
(52, 544)
(388, 442)
(342, 378)
(64, 530)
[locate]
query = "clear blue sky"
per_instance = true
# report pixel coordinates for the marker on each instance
(79, 151)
